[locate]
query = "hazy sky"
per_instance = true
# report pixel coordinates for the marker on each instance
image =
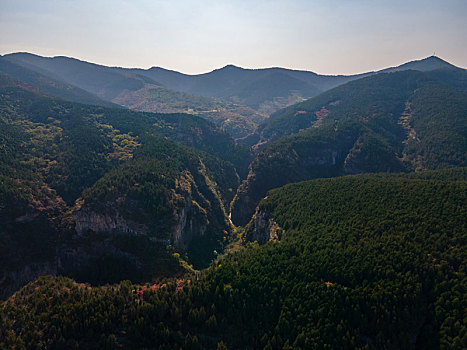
(194, 36)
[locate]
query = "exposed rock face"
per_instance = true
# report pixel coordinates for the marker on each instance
(262, 228)
(97, 230)
(192, 206)
(273, 170)
(106, 221)
(243, 206)
(190, 221)
(178, 236)
(189, 224)
(126, 234)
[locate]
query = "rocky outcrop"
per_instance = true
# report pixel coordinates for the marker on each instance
(178, 235)
(179, 226)
(275, 169)
(119, 229)
(243, 206)
(191, 222)
(262, 228)
(108, 220)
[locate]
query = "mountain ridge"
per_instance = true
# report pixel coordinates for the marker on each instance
(398, 121)
(230, 82)
(366, 251)
(140, 91)
(231, 65)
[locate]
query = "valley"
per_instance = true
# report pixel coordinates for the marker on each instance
(240, 208)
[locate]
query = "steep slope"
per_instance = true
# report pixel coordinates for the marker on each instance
(350, 96)
(104, 194)
(359, 262)
(140, 92)
(98, 80)
(389, 122)
(164, 193)
(51, 86)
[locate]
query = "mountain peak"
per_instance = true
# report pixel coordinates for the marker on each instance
(434, 58)
(231, 66)
(425, 64)
(227, 70)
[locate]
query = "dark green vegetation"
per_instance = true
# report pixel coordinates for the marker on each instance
(132, 89)
(102, 194)
(234, 98)
(76, 180)
(383, 95)
(392, 122)
(360, 262)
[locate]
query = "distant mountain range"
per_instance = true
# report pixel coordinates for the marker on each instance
(235, 98)
(389, 120)
(122, 87)
(267, 89)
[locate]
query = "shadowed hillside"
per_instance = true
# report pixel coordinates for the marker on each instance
(108, 194)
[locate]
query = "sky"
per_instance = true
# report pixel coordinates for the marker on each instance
(196, 36)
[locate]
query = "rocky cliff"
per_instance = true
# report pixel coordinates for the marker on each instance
(332, 150)
(108, 220)
(262, 228)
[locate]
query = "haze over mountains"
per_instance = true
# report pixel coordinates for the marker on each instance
(249, 95)
(167, 180)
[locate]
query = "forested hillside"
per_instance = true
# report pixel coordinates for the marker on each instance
(365, 98)
(391, 122)
(117, 226)
(107, 194)
(137, 91)
(361, 262)
(267, 89)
